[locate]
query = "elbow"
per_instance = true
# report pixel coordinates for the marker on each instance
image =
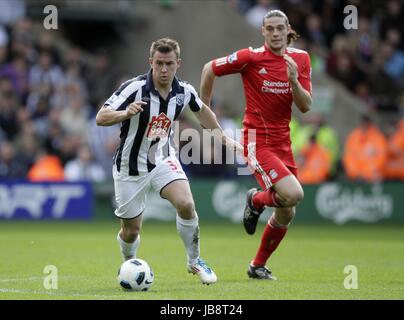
(207, 70)
(306, 108)
(207, 67)
(99, 120)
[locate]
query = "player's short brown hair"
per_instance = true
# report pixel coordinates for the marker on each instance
(292, 35)
(165, 45)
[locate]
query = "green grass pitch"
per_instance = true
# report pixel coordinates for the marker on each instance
(309, 263)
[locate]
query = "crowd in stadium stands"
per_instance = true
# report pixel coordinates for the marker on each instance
(48, 100)
(49, 96)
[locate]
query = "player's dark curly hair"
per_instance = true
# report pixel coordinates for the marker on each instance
(292, 35)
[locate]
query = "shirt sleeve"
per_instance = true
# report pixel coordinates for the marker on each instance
(195, 103)
(233, 63)
(305, 74)
(116, 102)
(122, 97)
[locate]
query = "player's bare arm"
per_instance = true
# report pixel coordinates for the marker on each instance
(107, 116)
(207, 80)
(301, 97)
(208, 120)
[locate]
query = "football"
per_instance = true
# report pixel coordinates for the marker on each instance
(135, 275)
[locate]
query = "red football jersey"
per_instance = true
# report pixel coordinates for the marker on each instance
(268, 93)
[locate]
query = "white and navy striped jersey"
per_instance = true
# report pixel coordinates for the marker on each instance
(147, 137)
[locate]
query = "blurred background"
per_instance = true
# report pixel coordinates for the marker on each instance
(56, 163)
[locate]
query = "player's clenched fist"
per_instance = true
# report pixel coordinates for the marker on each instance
(134, 108)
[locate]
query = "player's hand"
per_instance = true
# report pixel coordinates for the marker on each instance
(291, 68)
(238, 147)
(134, 108)
(235, 146)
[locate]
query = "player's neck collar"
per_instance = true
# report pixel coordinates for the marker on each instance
(271, 52)
(175, 86)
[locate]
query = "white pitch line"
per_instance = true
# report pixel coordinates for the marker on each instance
(22, 279)
(38, 278)
(5, 290)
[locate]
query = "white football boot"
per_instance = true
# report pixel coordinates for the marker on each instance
(205, 273)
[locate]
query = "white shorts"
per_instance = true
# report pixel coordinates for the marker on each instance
(130, 193)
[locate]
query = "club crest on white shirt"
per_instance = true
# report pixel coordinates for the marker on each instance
(180, 99)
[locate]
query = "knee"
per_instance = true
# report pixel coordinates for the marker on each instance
(185, 208)
(294, 197)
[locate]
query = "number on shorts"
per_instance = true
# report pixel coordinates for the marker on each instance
(173, 165)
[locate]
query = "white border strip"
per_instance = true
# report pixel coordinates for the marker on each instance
(254, 162)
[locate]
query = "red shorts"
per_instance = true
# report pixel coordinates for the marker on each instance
(268, 167)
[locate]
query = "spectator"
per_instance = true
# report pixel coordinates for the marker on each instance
(27, 144)
(362, 91)
(341, 63)
(314, 163)
(394, 38)
(103, 142)
(318, 57)
(74, 57)
(383, 87)
(47, 43)
(84, 168)
(393, 18)
(346, 71)
(52, 132)
(46, 81)
(3, 39)
(327, 137)
(22, 40)
(70, 144)
(364, 43)
(74, 116)
(241, 6)
(101, 78)
(394, 63)
(256, 13)
(47, 167)
(75, 84)
(11, 164)
(394, 167)
(8, 110)
(17, 72)
(11, 11)
(365, 152)
(313, 31)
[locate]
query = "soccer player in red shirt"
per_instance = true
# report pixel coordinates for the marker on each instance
(274, 76)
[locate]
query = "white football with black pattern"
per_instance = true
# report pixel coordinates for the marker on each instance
(135, 275)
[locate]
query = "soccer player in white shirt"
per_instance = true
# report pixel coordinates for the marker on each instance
(146, 107)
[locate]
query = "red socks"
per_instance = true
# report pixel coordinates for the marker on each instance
(265, 198)
(270, 240)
